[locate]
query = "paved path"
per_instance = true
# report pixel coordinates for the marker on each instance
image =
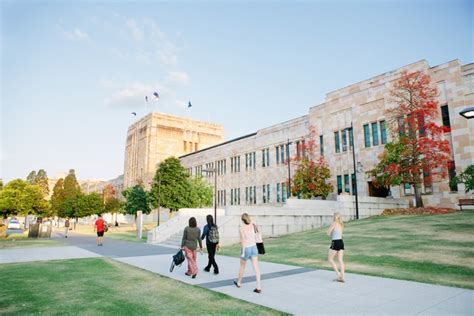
(287, 288)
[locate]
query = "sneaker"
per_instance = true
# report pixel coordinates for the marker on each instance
(207, 269)
(216, 272)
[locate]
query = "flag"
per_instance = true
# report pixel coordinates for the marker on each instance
(189, 104)
(134, 113)
(146, 98)
(156, 95)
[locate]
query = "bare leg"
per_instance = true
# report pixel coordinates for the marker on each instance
(340, 257)
(243, 263)
(257, 271)
(331, 255)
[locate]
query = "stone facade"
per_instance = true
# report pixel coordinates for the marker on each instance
(158, 136)
(259, 180)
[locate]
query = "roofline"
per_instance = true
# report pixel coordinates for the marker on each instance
(221, 144)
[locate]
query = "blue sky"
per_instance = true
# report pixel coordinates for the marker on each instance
(72, 72)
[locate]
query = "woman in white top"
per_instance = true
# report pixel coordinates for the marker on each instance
(337, 246)
(249, 251)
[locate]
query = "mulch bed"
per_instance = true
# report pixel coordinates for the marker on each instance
(417, 211)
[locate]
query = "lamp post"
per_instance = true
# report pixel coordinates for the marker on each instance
(355, 171)
(159, 196)
(211, 170)
(289, 160)
(468, 113)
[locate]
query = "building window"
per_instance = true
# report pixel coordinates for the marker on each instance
(231, 196)
(283, 192)
(347, 185)
(401, 126)
(265, 157)
(354, 184)
(264, 194)
(445, 116)
(277, 149)
(321, 145)
(452, 173)
(407, 188)
(336, 141)
(339, 184)
(375, 134)
(383, 132)
(427, 181)
(278, 193)
(268, 193)
(366, 136)
(184, 146)
(246, 195)
(344, 140)
(282, 154)
(351, 138)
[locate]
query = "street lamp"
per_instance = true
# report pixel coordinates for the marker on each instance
(355, 171)
(289, 161)
(468, 112)
(211, 170)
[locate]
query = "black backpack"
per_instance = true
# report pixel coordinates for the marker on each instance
(213, 235)
(178, 259)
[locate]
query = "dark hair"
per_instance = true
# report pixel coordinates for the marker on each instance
(209, 220)
(192, 222)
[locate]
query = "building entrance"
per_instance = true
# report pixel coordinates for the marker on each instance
(377, 192)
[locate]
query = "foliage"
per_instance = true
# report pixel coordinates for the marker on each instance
(20, 197)
(112, 205)
(136, 200)
(82, 205)
(200, 193)
(466, 177)
(172, 182)
(1, 184)
(58, 198)
(417, 211)
(312, 171)
(71, 186)
(419, 146)
(42, 181)
(108, 192)
(31, 178)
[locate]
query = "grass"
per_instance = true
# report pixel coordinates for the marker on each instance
(22, 240)
(122, 232)
(436, 249)
(103, 286)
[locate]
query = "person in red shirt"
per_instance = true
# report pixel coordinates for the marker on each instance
(99, 226)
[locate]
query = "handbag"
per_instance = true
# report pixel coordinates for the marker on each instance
(178, 259)
(259, 241)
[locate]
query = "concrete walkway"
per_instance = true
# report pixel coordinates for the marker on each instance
(291, 289)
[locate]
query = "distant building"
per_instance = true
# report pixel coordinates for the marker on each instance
(251, 169)
(117, 183)
(158, 136)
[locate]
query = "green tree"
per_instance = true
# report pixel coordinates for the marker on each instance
(136, 200)
(1, 184)
(31, 178)
(71, 186)
(466, 177)
(58, 199)
(200, 193)
(42, 181)
(88, 204)
(19, 197)
(172, 182)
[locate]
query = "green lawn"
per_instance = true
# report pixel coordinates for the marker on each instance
(103, 286)
(435, 249)
(17, 240)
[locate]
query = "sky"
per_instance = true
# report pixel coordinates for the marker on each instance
(73, 71)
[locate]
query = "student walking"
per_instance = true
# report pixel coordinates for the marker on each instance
(211, 233)
(249, 251)
(66, 228)
(337, 246)
(99, 226)
(189, 245)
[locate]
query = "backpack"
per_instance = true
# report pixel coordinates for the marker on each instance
(213, 235)
(66, 224)
(178, 259)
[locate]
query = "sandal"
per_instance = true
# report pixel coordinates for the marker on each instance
(236, 284)
(257, 291)
(340, 280)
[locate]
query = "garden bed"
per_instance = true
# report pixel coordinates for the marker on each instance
(417, 211)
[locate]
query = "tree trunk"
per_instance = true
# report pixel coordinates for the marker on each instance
(418, 199)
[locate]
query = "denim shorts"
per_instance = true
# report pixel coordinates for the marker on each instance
(249, 252)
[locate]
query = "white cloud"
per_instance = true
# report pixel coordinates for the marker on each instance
(137, 32)
(133, 95)
(75, 34)
(178, 77)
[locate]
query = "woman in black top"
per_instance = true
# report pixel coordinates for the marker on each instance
(211, 246)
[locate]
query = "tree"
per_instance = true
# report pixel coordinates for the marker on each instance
(88, 204)
(58, 199)
(200, 193)
(312, 171)
(111, 203)
(42, 181)
(108, 192)
(172, 182)
(419, 147)
(71, 187)
(31, 178)
(19, 197)
(466, 177)
(136, 200)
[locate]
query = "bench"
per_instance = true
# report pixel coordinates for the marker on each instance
(465, 202)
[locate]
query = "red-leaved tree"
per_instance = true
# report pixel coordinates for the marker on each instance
(418, 147)
(312, 171)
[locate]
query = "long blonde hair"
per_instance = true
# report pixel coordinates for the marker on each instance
(338, 219)
(246, 218)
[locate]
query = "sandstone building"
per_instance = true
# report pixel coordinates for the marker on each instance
(158, 136)
(251, 169)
